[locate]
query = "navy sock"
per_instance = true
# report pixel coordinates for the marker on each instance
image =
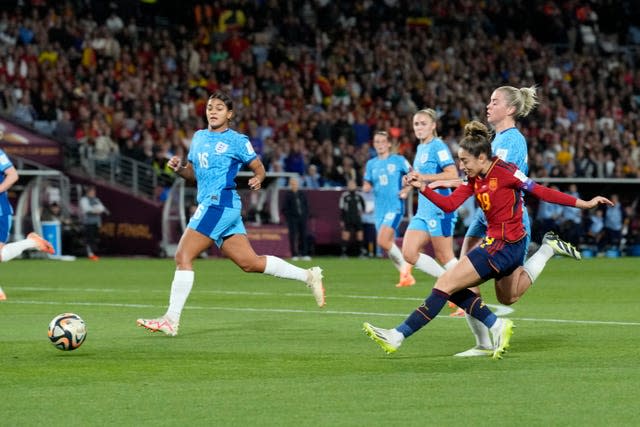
(473, 304)
(423, 314)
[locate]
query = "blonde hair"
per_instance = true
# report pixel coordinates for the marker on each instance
(524, 99)
(432, 115)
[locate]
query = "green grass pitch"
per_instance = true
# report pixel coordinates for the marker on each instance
(255, 350)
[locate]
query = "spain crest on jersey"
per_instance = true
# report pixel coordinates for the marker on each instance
(493, 184)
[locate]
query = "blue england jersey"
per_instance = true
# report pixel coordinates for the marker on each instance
(385, 175)
(5, 206)
(511, 147)
(217, 157)
(431, 158)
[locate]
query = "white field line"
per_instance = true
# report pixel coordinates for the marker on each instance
(497, 308)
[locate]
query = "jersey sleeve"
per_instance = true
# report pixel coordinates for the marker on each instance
(406, 166)
(453, 201)
(541, 192)
(193, 147)
(5, 162)
(367, 173)
(246, 152)
(443, 154)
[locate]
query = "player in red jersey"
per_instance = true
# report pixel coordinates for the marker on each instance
(496, 185)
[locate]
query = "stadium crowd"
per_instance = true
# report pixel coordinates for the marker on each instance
(313, 80)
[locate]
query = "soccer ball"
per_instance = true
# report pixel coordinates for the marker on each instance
(67, 331)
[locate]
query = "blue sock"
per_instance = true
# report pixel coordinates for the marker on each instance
(423, 314)
(473, 304)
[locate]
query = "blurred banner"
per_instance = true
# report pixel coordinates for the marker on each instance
(18, 141)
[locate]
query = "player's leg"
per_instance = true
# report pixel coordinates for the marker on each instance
(9, 251)
(476, 231)
(191, 244)
(452, 284)
(239, 250)
(510, 289)
(415, 238)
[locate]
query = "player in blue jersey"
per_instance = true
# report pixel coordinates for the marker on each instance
(216, 156)
(433, 161)
(9, 251)
(383, 174)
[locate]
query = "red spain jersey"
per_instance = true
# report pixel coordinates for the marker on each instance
(498, 195)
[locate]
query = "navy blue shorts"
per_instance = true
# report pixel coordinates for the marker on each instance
(494, 259)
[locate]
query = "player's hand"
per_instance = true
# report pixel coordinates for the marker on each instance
(255, 183)
(598, 200)
(175, 163)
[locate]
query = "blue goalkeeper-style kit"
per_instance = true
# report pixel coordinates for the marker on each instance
(432, 158)
(385, 176)
(217, 157)
(6, 211)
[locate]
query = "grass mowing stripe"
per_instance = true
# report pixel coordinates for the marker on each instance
(319, 311)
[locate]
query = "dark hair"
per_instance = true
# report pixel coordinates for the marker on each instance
(222, 97)
(476, 139)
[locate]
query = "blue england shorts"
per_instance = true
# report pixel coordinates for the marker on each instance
(478, 227)
(439, 225)
(389, 219)
(5, 228)
(495, 258)
(217, 222)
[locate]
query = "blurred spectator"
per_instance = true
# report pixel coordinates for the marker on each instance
(613, 222)
(91, 209)
(312, 180)
(548, 217)
(296, 213)
(595, 231)
(571, 220)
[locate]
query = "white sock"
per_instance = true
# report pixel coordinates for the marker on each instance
(452, 262)
(180, 290)
(494, 328)
(12, 250)
(429, 265)
(536, 263)
(480, 332)
(396, 256)
(280, 268)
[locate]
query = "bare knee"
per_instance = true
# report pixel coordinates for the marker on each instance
(183, 260)
(507, 299)
(254, 264)
(410, 257)
(443, 256)
(384, 243)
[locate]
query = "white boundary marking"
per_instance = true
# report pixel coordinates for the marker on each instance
(499, 309)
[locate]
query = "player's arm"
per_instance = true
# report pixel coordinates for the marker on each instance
(10, 178)
(448, 173)
(366, 186)
(558, 197)
(449, 183)
(446, 203)
(185, 171)
(259, 173)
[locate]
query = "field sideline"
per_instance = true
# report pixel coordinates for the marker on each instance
(256, 350)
